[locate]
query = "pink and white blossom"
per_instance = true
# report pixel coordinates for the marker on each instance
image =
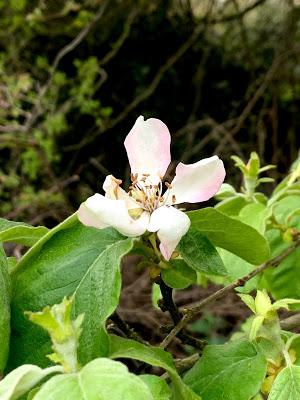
(145, 207)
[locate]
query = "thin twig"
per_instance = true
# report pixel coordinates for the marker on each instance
(238, 15)
(60, 55)
(290, 322)
(126, 329)
(190, 313)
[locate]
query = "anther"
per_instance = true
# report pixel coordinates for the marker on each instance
(173, 198)
(168, 185)
(118, 181)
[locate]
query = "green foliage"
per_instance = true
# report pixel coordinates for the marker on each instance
(102, 378)
(22, 379)
(233, 371)
(98, 301)
(158, 387)
(54, 268)
(4, 309)
(230, 234)
(287, 384)
(63, 331)
(20, 233)
(125, 348)
(178, 275)
(199, 254)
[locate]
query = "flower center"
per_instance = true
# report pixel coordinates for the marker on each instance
(149, 196)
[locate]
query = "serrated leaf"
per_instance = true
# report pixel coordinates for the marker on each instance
(286, 385)
(100, 379)
(52, 269)
(22, 379)
(199, 254)
(231, 234)
(233, 371)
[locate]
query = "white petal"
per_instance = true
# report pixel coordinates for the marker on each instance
(196, 182)
(170, 225)
(100, 212)
(113, 191)
(148, 148)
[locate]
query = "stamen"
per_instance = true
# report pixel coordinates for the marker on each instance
(118, 181)
(168, 185)
(173, 198)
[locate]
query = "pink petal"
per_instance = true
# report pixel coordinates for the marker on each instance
(100, 212)
(148, 148)
(196, 182)
(170, 224)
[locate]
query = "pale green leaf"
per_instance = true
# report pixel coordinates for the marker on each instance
(100, 379)
(158, 387)
(286, 385)
(22, 379)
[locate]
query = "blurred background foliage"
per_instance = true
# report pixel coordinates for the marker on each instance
(224, 75)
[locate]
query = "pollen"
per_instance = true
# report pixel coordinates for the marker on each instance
(145, 193)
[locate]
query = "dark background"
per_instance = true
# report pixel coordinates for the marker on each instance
(74, 76)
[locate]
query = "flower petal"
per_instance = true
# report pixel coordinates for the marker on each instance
(113, 191)
(100, 212)
(148, 148)
(170, 224)
(196, 182)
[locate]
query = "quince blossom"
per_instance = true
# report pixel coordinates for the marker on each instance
(145, 207)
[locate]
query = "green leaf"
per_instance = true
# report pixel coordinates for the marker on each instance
(4, 309)
(255, 215)
(158, 387)
(286, 385)
(63, 331)
(237, 268)
(179, 275)
(155, 295)
(100, 379)
(232, 205)
(22, 379)
(200, 254)
(284, 280)
(97, 297)
(233, 371)
(18, 232)
(230, 234)
(127, 348)
(52, 269)
(284, 207)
